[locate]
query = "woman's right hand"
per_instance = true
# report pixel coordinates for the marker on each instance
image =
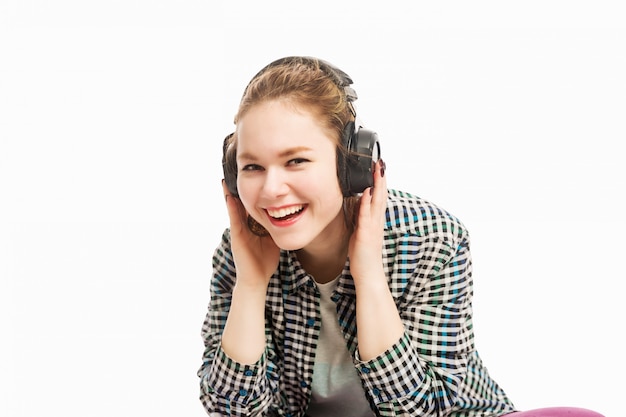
(256, 258)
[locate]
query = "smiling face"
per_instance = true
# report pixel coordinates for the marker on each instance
(287, 175)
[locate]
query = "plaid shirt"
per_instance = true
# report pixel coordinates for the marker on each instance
(433, 370)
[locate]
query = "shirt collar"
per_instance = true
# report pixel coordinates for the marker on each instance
(293, 276)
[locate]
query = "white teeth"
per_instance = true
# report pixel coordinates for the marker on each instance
(278, 213)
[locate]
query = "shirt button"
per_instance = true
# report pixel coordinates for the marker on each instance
(248, 373)
(365, 370)
(303, 384)
(310, 322)
(243, 392)
(376, 392)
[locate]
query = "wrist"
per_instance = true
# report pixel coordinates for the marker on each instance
(252, 289)
(374, 279)
(247, 289)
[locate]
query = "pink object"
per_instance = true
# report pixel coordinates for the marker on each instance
(555, 412)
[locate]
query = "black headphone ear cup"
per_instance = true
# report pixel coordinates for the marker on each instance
(344, 155)
(363, 151)
(229, 165)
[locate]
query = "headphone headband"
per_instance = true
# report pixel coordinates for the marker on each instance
(339, 77)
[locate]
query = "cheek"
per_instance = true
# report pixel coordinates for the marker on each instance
(247, 192)
(324, 183)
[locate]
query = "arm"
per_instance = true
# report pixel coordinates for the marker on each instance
(378, 320)
(413, 305)
(227, 386)
(255, 259)
(422, 373)
(233, 374)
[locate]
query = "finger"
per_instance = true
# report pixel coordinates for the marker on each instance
(379, 195)
(225, 190)
(378, 204)
(365, 203)
(236, 212)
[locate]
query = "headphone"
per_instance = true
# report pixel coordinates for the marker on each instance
(355, 167)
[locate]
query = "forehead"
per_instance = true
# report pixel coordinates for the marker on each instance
(278, 124)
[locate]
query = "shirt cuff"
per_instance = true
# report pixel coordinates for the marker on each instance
(234, 381)
(392, 375)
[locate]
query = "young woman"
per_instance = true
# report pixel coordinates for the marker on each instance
(328, 299)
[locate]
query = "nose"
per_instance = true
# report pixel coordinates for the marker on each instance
(275, 183)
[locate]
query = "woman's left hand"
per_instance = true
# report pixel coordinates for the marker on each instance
(365, 248)
(378, 320)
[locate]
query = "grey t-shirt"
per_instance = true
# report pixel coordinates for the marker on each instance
(337, 389)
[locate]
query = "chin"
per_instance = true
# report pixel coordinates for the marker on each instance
(286, 243)
(289, 247)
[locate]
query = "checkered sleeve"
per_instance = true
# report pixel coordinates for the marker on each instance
(429, 264)
(227, 387)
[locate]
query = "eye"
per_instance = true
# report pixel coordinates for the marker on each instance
(297, 161)
(251, 167)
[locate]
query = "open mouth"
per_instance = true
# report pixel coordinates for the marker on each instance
(285, 213)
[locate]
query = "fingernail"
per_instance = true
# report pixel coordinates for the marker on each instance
(382, 168)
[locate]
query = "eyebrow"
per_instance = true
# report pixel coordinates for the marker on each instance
(287, 152)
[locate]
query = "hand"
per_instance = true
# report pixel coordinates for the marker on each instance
(256, 258)
(378, 320)
(365, 247)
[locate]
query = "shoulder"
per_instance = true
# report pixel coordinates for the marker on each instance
(408, 214)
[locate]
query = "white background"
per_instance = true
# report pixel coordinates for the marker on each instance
(511, 115)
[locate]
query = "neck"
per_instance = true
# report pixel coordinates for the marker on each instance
(323, 268)
(325, 260)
